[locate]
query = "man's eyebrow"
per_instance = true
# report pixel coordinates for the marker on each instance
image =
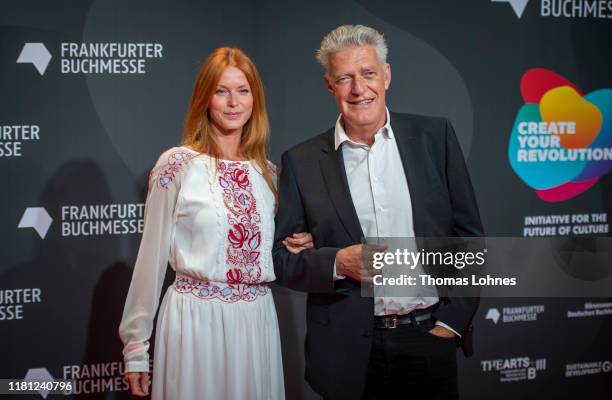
(336, 76)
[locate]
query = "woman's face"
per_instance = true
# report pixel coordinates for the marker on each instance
(232, 103)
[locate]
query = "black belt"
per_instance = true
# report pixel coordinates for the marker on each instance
(392, 321)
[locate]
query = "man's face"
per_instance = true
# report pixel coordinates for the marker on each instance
(358, 81)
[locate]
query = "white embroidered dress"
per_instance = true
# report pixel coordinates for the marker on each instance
(217, 333)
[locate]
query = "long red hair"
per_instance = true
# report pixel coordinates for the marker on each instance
(198, 132)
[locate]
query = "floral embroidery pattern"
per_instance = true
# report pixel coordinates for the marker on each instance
(274, 168)
(244, 235)
(176, 160)
(204, 289)
(243, 242)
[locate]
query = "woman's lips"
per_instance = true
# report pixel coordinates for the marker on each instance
(235, 115)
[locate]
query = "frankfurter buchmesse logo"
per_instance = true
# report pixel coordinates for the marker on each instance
(93, 57)
(39, 375)
(561, 142)
(518, 6)
(37, 218)
(35, 54)
(493, 314)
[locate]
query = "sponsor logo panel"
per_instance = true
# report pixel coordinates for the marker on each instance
(514, 369)
(97, 58)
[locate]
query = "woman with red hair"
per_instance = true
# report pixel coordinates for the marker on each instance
(210, 214)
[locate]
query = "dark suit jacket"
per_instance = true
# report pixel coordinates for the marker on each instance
(314, 197)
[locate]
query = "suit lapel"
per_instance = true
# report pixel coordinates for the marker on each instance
(334, 175)
(411, 152)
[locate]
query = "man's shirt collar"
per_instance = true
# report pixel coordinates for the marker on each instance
(340, 135)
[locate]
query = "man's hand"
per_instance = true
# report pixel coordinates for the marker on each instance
(442, 332)
(298, 242)
(139, 383)
(350, 262)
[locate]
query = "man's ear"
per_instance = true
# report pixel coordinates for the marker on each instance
(328, 85)
(387, 76)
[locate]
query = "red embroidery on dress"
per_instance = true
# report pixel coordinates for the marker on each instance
(204, 289)
(244, 241)
(176, 160)
(244, 235)
(273, 168)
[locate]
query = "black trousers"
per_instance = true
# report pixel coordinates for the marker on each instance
(409, 362)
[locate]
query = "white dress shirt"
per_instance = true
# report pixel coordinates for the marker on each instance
(381, 197)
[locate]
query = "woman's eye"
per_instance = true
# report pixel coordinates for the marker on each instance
(221, 91)
(244, 91)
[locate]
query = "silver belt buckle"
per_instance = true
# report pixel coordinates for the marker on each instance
(393, 323)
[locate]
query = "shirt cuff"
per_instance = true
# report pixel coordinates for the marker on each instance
(443, 325)
(137, 366)
(336, 276)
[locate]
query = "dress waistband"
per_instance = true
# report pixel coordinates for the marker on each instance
(224, 291)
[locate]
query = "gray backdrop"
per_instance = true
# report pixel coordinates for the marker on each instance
(99, 135)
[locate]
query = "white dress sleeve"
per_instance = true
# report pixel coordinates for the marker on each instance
(150, 269)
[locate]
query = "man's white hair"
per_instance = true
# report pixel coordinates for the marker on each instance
(346, 36)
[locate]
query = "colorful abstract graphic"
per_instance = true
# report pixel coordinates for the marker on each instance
(561, 142)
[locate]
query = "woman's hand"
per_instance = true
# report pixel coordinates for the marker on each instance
(139, 383)
(298, 242)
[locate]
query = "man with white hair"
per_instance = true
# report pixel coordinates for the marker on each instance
(375, 174)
